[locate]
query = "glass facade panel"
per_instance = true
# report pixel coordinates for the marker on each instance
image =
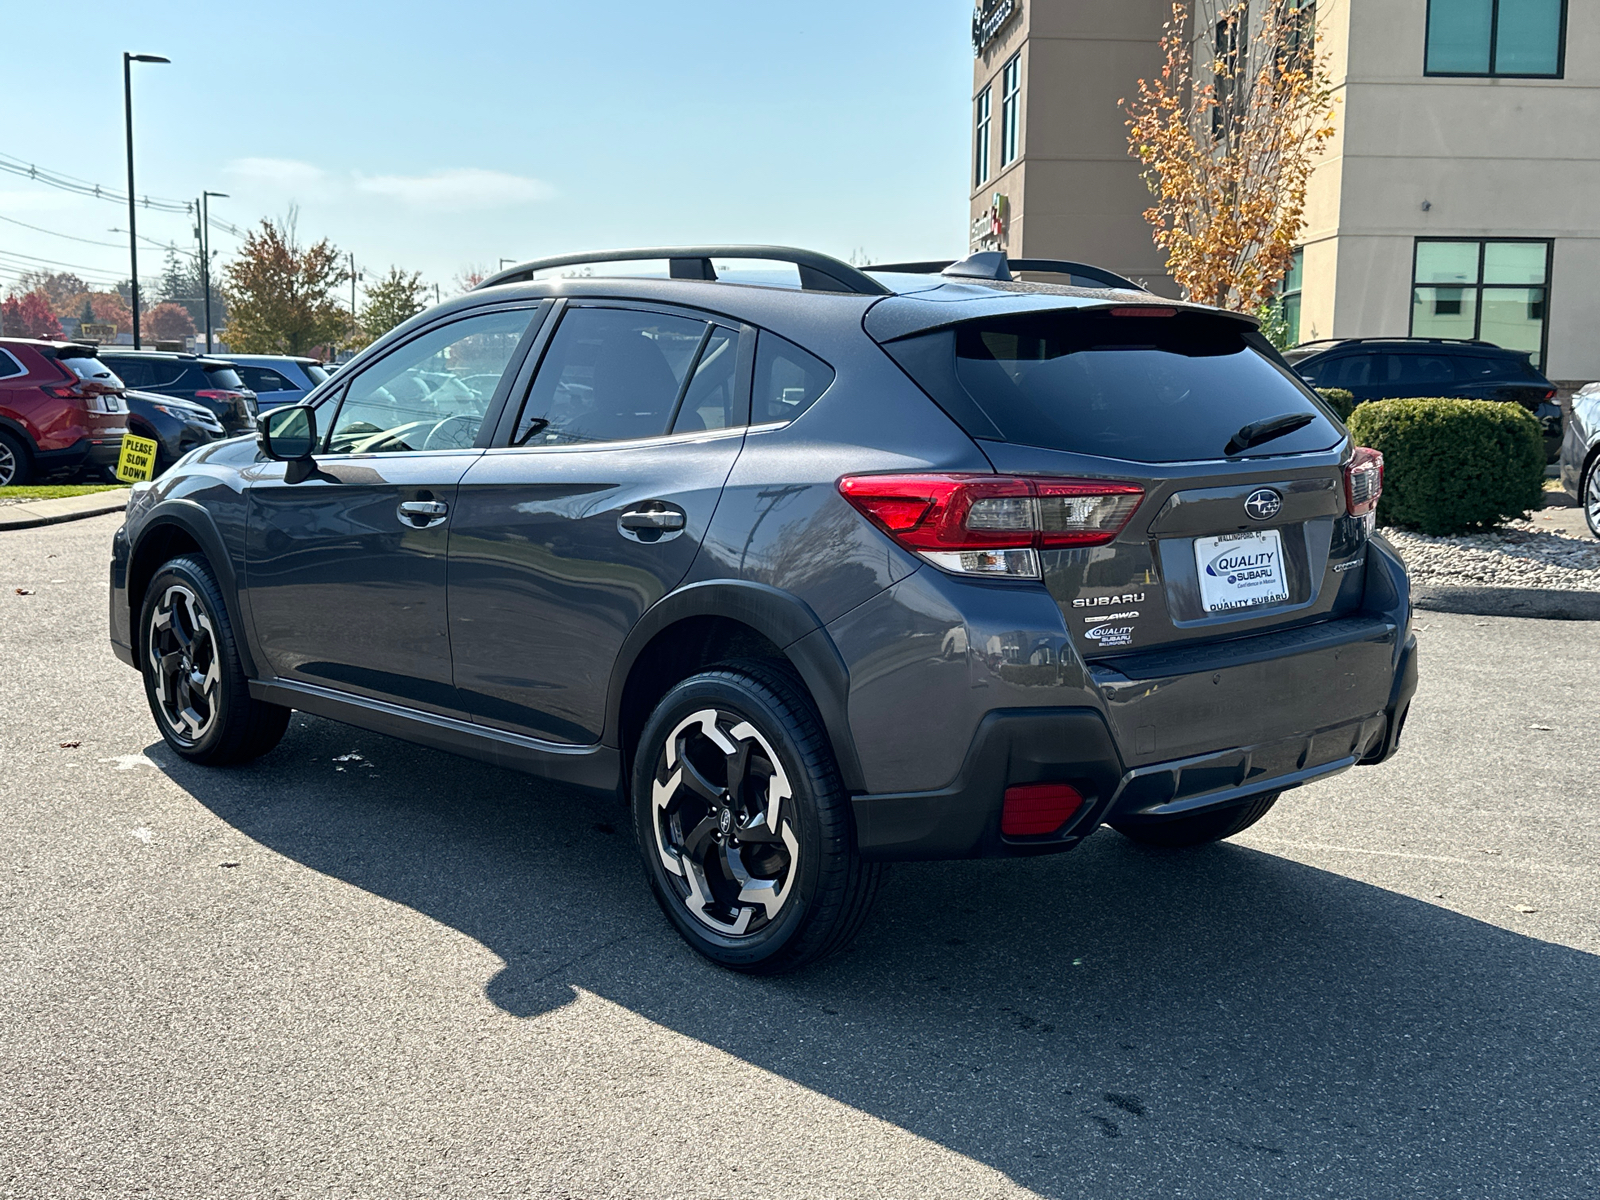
(1450, 312)
(1447, 262)
(1293, 283)
(1528, 37)
(1011, 110)
(1514, 318)
(980, 147)
(1514, 262)
(1459, 36)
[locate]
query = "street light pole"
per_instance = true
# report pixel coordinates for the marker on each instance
(205, 255)
(133, 229)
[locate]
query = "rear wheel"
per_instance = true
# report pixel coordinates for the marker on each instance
(743, 824)
(1200, 828)
(1591, 498)
(193, 676)
(16, 464)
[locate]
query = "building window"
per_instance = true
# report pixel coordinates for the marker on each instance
(1231, 52)
(1289, 297)
(1010, 109)
(980, 152)
(1497, 37)
(1494, 290)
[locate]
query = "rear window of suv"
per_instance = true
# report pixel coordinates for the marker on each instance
(1140, 388)
(224, 377)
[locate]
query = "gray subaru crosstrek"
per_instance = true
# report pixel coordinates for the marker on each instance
(873, 566)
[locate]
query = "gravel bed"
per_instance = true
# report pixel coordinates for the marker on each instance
(1518, 554)
(5, 500)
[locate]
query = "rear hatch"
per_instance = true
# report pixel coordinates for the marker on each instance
(1244, 523)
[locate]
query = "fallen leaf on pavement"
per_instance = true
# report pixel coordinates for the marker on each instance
(24, 591)
(70, 745)
(1543, 728)
(1523, 908)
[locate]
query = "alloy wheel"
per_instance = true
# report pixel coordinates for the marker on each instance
(8, 465)
(182, 649)
(1591, 500)
(723, 813)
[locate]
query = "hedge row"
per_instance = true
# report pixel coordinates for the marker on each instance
(1452, 466)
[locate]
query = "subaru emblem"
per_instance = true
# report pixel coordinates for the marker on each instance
(1263, 504)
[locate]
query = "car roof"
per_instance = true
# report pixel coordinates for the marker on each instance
(1403, 345)
(204, 360)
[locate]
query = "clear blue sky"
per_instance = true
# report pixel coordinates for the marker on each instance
(438, 136)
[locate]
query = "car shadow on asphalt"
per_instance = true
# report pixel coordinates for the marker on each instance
(1116, 1018)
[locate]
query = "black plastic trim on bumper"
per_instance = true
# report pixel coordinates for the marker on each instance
(1405, 687)
(1022, 745)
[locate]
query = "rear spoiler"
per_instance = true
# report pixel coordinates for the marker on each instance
(991, 264)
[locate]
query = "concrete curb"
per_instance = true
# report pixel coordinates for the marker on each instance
(34, 513)
(1546, 604)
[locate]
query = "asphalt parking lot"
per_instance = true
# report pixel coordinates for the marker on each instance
(360, 968)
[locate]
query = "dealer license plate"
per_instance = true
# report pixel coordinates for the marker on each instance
(1241, 570)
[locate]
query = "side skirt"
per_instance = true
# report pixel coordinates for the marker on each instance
(592, 768)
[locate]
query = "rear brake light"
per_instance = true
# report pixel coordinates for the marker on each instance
(1550, 394)
(1032, 809)
(1144, 311)
(992, 524)
(1363, 481)
(218, 394)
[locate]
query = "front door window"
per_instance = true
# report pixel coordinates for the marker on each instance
(432, 393)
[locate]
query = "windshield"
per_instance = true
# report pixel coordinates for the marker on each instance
(1174, 387)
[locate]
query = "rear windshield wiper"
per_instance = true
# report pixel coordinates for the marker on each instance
(1257, 432)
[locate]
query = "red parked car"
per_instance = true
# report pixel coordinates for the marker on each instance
(61, 408)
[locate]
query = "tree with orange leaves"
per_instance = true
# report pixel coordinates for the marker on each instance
(1228, 135)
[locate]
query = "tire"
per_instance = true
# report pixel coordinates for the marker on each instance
(1201, 828)
(16, 464)
(193, 677)
(1589, 498)
(746, 895)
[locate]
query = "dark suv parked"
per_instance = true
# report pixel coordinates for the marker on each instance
(889, 566)
(208, 381)
(1395, 368)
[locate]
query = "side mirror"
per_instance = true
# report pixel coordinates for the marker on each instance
(289, 433)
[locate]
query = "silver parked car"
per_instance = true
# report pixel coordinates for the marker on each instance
(1580, 454)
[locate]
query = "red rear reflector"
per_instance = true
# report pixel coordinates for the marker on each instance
(1363, 481)
(1143, 311)
(1032, 809)
(1550, 395)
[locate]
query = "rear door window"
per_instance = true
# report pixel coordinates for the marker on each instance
(612, 375)
(10, 366)
(264, 379)
(1419, 370)
(1145, 389)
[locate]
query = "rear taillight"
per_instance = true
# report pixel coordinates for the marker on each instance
(1550, 394)
(69, 391)
(992, 524)
(1363, 481)
(218, 396)
(1034, 809)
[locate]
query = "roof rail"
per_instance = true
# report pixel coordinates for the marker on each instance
(1344, 341)
(990, 265)
(818, 272)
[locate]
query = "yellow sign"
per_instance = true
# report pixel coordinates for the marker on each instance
(137, 460)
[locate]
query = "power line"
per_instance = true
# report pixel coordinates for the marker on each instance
(54, 233)
(84, 187)
(50, 262)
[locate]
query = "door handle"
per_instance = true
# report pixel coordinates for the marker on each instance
(654, 520)
(422, 514)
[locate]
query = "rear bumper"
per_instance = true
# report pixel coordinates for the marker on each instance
(1299, 732)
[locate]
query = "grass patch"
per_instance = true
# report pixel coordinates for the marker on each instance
(56, 491)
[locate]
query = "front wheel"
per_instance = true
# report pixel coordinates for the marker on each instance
(1197, 830)
(16, 467)
(193, 676)
(743, 823)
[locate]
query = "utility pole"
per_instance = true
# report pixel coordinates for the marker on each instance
(205, 256)
(352, 300)
(133, 229)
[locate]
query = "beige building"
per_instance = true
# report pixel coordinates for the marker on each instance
(1457, 199)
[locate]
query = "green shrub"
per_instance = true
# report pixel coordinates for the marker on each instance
(1341, 401)
(1453, 466)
